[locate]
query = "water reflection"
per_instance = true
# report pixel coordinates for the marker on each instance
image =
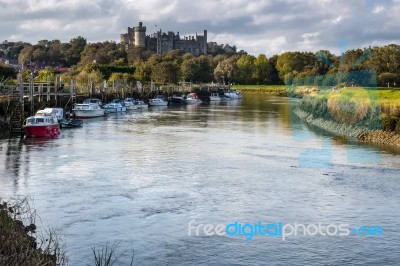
(140, 177)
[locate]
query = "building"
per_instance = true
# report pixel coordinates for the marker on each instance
(161, 42)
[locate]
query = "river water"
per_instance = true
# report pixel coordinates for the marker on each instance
(139, 179)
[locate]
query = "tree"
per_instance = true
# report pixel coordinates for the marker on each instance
(165, 72)
(142, 70)
(190, 69)
(261, 69)
(44, 74)
(6, 72)
(245, 69)
(226, 70)
(72, 50)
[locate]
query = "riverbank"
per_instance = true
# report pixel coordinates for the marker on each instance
(277, 90)
(20, 244)
(370, 115)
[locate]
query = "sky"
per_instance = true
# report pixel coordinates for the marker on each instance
(256, 26)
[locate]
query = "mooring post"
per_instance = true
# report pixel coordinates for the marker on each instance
(20, 88)
(31, 87)
(48, 89)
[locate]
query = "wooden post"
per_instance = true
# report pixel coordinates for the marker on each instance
(48, 89)
(72, 89)
(20, 88)
(56, 85)
(31, 88)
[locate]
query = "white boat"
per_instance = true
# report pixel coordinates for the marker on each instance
(130, 104)
(157, 102)
(141, 104)
(193, 98)
(215, 96)
(57, 112)
(88, 109)
(231, 94)
(114, 107)
(93, 101)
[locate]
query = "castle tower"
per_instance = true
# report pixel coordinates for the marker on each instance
(140, 35)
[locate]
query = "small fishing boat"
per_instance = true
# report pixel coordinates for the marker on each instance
(130, 104)
(57, 112)
(178, 99)
(141, 104)
(193, 98)
(215, 96)
(89, 110)
(42, 124)
(158, 101)
(114, 108)
(74, 123)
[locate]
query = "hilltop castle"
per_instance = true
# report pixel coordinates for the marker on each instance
(161, 42)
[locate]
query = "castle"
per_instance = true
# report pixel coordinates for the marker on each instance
(161, 42)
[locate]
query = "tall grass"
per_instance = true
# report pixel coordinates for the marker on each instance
(20, 243)
(368, 108)
(108, 255)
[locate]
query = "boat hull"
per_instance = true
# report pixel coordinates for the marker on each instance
(89, 113)
(163, 103)
(42, 131)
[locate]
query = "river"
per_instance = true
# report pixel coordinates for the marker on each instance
(147, 180)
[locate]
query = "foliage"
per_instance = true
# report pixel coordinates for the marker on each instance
(222, 64)
(20, 243)
(107, 255)
(44, 74)
(7, 71)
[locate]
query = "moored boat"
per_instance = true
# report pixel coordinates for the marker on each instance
(57, 112)
(193, 98)
(178, 99)
(74, 123)
(157, 102)
(215, 96)
(130, 104)
(41, 125)
(88, 109)
(141, 104)
(114, 107)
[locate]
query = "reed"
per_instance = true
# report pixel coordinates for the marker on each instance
(20, 243)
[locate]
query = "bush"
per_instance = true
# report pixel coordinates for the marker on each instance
(390, 123)
(20, 244)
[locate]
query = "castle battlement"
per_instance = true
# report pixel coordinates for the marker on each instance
(161, 42)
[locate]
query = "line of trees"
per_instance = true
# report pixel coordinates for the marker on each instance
(224, 63)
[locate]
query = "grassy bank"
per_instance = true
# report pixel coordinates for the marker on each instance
(279, 90)
(351, 110)
(20, 243)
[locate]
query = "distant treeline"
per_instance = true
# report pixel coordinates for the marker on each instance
(224, 64)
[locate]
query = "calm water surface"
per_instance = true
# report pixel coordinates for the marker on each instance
(138, 179)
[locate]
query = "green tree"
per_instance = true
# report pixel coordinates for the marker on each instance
(44, 74)
(225, 72)
(6, 72)
(245, 69)
(261, 66)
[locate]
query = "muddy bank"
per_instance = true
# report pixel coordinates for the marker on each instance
(379, 136)
(362, 134)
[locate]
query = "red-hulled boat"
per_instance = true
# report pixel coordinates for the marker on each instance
(41, 125)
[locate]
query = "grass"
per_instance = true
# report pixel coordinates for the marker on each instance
(20, 244)
(107, 255)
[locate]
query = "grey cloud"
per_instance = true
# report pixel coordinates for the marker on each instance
(258, 26)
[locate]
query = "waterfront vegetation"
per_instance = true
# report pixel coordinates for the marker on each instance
(20, 243)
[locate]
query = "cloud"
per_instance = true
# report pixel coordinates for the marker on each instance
(258, 26)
